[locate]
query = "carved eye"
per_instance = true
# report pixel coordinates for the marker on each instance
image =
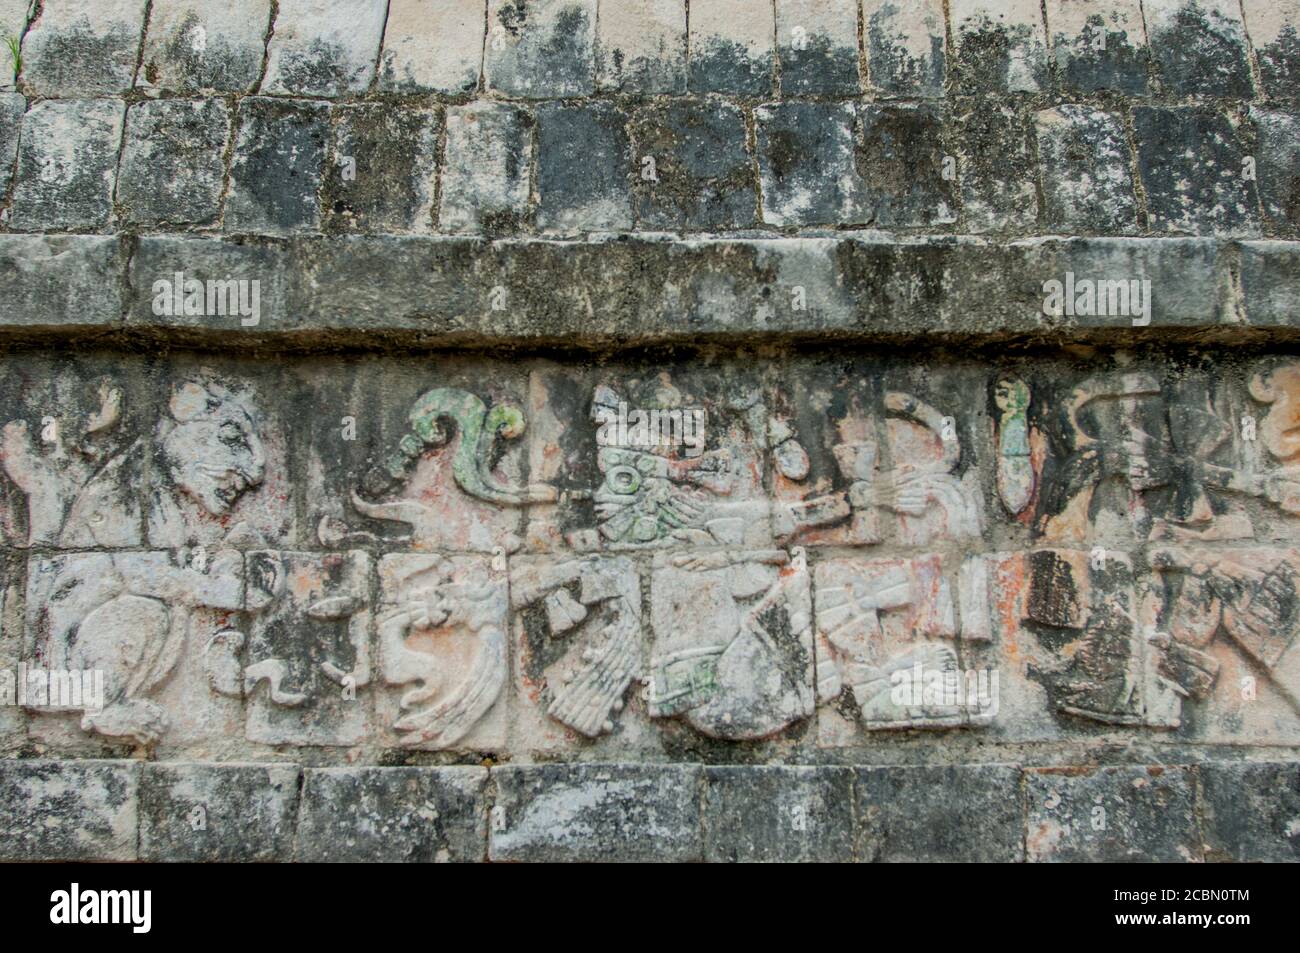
(231, 435)
(624, 480)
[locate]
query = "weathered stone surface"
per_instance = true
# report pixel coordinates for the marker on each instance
(997, 172)
(909, 814)
(1111, 814)
(412, 815)
(596, 812)
(641, 46)
(381, 172)
(13, 21)
(485, 183)
(277, 169)
(1198, 46)
(539, 49)
(80, 49)
(67, 163)
(998, 46)
(1277, 165)
(432, 46)
(1099, 47)
(1250, 811)
(68, 810)
(584, 167)
(1193, 171)
(67, 280)
(161, 257)
(12, 107)
(223, 813)
(732, 49)
(806, 155)
(1270, 295)
(171, 170)
(817, 46)
(905, 45)
(443, 629)
(192, 45)
(1087, 185)
(698, 173)
(902, 162)
(324, 47)
(778, 815)
(857, 286)
(1273, 26)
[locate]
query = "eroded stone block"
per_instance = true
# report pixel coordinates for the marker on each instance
(1199, 46)
(732, 48)
(60, 280)
(173, 169)
(324, 47)
(595, 812)
(1099, 47)
(193, 45)
(432, 46)
(584, 167)
(307, 665)
(1111, 814)
(778, 815)
(641, 46)
(541, 49)
(1273, 26)
(905, 46)
(1087, 185)
(443, 631)
(901, 159)
(276, 169)
(1277, 165)
(382, 169)
(1191, 166)
(68, 810)
(733, 642)
(12, 107)
(887, 650)
(998, 46)
(411, 815)
(218, 813)
(83, 49)
(694, 169)
(485, 184)
(806, 154)
(1250, 811)
(580, 652)
(912, 814)
(67, 164)
(817, 43)
(997, 170)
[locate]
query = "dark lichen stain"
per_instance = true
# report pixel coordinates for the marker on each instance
(1201, 54)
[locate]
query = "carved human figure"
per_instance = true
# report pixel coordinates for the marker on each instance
(129, 613)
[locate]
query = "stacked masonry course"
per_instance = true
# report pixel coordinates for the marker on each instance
(328, 325)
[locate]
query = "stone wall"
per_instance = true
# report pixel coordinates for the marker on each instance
(602, 429)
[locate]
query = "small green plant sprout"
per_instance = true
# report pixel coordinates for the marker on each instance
(15, 46)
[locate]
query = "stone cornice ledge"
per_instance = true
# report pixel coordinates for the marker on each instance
(367, 291)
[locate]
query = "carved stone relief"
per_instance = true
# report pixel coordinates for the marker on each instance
(712, 546)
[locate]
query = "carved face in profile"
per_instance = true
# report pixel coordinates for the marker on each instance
(211, 445)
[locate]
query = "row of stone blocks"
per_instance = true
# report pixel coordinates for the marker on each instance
(566, 48)
(277, 166)
(125, 810)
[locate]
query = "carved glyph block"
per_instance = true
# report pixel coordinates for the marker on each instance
(443, 652)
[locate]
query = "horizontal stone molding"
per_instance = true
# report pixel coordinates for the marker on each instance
(389, 291)
(95, 810)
